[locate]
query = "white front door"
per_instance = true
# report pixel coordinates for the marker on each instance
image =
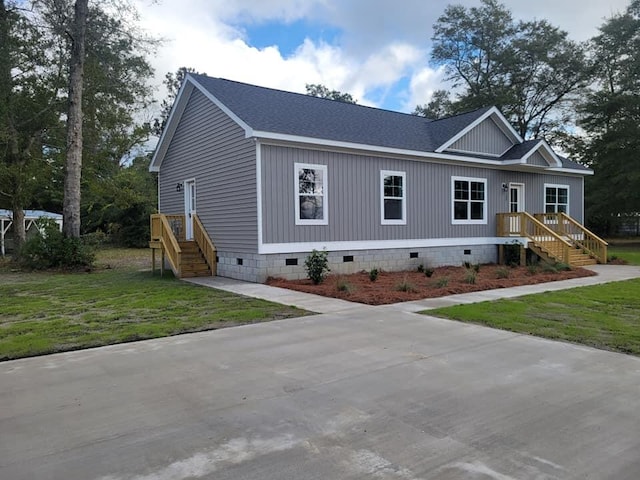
(189, 207)
(516, 204)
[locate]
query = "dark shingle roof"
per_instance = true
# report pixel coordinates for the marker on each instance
(277, 111)
(519, 150)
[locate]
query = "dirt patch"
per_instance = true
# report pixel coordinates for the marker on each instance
(394, 287)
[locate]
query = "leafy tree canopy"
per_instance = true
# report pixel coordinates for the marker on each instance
(530, 70)
(319, 90)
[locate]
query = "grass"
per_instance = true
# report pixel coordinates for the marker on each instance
(44, 313)
(601, 316)
(626, 251)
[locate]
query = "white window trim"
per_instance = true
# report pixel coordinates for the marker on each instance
(556, 185)
(455, 221)
(325, 196)
(403, 220)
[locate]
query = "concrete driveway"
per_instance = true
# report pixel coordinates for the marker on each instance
(369, 393)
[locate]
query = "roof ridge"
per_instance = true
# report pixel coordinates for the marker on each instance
(311, 96)
(464, 113)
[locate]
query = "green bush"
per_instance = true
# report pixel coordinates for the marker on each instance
(342, 285)
(406, 286)
(502, 272)
(442, 282)
(470, 277)
(373, 274)
(420, 268)
(428, 272)
(51, 249)
(317, 266)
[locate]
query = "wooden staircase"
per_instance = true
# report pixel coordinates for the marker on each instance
(187, 258)
(554, 237)
(193, 263)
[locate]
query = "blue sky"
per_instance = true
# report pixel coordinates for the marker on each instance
(377, 50)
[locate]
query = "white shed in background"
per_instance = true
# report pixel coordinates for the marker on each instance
(30, 218)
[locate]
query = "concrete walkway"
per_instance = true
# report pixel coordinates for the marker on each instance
(319, 304)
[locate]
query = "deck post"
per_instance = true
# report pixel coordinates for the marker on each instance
(500, 254)
(523, 256)
(153, 261)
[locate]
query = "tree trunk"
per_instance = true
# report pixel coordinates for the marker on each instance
(19, 233)
(73, 170)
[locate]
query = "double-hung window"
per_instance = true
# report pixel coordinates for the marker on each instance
(556, 198)
(469, 200)
(393, 196)
(311, 194)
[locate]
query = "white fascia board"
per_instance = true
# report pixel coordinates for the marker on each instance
(502, 124)
(177, 110)
(570, 171)
(543, 147)
(301, 247)
(248, 131)
(377, 150)
(176, 113)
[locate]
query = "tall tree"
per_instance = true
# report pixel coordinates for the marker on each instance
(319, 90)
(439, 106)
(73, 164)
(30, 80)
(611, 119)
(530, 70)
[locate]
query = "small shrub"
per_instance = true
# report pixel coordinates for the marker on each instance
(467, 265)
(442, 282)
(373, 274)
(470, 277)
(562, 267)
(342, 285)
(406, 286)
(420, 268)
(532, 269)
(502, 272)
(476, 267)
(51, 249)
(428, 272)
(317, 266)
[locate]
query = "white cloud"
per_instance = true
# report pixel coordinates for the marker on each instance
(381, 43)
(421, 87)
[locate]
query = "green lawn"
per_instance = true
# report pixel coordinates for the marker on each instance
(43, 313)
(628, 251)
(602, 316)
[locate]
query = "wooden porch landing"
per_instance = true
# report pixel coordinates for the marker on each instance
(554, 237)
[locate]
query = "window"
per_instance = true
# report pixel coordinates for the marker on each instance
(556, 198)
(393, 198)
(311, 194)
(469, 200)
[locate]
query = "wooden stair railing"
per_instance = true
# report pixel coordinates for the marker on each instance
(575, 233)
(186, 257)
(205, 244)
(164, 239)
(545, 241)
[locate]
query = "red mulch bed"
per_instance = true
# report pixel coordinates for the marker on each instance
(385, 289)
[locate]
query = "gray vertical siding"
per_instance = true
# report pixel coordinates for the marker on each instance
(211, 148)
(354, 197)
(537, 159)
(485, 137)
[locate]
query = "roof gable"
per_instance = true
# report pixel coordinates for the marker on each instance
(489, 113)
(486, 138)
